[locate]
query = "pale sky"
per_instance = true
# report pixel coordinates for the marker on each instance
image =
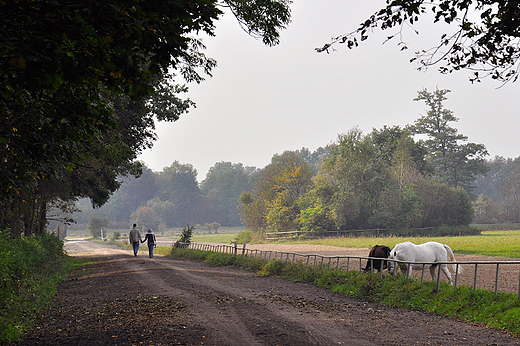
(264, 100)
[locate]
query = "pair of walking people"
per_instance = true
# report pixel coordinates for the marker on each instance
(135, 238)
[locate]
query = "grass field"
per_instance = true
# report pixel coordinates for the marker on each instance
(504, 243)
(225, 238)
(489, 243)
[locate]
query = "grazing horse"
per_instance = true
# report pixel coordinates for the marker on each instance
(379, 251)
(428, 252)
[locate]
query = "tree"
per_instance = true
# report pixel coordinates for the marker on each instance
(133, 193)
(186, 235)
(510, 197)
(96, 224)
(348, 186)
(273, 202)
(313, 159)
(500, 169)
(223, 185)
(485, 210)
(456, 164)
(397, 147)
(146, 217)
(380, 180)
(484, 40)
(498, 191)
(177, 184)
(65, 67)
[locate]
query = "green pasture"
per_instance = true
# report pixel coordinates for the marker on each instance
(498, 243)
(225, 238)
(489, 243)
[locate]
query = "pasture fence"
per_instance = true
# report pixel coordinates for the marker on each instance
(311, 234)
(348, 263)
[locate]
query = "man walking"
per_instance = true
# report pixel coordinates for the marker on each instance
(135, 237)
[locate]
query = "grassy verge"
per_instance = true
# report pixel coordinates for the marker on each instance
(480, 307)
(30, 270)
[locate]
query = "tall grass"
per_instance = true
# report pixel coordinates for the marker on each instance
(480, 307)
(30, 270)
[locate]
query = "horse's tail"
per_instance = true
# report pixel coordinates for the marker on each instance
(451, 258)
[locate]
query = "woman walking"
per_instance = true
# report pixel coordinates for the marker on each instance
(150, 237)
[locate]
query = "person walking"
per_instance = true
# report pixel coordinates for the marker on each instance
(134, 237)
(150, 237)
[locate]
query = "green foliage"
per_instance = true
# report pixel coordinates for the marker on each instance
(498, 200)
(116, 235)
(219, 259)
(30, 269)
(223, 185)
(455, 163)
(186, 235)
(80, 86)
(192, 255)
(244, 237)
(273, 204)
(177, 186)
(74, 73)
(96, 224)
(380, 180)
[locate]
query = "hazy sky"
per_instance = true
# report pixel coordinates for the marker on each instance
(264, 100)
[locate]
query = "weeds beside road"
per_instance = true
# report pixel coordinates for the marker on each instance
(30, 270)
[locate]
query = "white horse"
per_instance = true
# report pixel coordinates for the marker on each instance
(429, 252)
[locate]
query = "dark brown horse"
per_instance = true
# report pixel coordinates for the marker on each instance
(378, 251)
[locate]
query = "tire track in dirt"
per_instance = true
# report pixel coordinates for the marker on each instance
(127, 300)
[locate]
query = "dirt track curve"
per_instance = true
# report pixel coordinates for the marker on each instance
(125, 300)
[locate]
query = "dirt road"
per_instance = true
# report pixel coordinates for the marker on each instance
(125, 300)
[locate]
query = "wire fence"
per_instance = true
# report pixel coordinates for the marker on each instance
(317, 261)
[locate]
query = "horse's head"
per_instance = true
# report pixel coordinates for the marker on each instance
(392, 264)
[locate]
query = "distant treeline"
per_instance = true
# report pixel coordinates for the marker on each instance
(384, 179)
(174, 198)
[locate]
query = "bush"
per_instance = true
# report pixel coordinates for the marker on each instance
(30, 269)
(244, 237)
(186, 235)
(96, 224)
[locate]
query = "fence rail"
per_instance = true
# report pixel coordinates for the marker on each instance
(307, 234)
(346, 262)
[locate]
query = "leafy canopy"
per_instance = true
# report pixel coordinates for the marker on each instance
(81, 81)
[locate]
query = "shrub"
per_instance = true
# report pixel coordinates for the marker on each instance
(186, 235)
(30, 269)
(244, 237)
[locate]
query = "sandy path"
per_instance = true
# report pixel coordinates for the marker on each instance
(197, 304)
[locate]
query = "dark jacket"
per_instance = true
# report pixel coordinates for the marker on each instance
(150, 237)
